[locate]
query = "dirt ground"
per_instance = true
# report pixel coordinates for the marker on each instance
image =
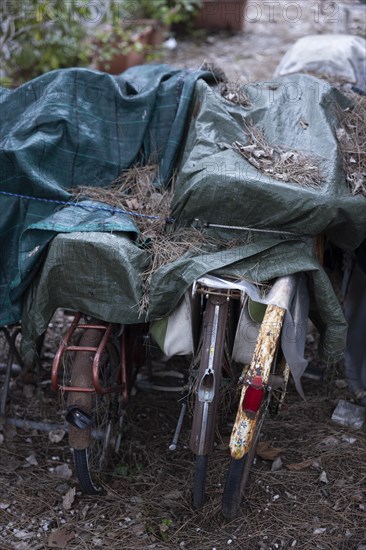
(312, 497)
(270, 28)
(316, 499)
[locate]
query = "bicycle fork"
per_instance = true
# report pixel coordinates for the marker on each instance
(209, 375)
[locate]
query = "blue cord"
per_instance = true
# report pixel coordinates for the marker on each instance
(80, 205)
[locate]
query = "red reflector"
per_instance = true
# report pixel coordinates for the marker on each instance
(254, 395)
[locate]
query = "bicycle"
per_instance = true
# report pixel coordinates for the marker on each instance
(103, 366)
(97, 379)
(262, 381)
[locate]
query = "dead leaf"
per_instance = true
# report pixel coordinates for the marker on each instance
(358, 496)
(64, 471)
(22, 534)
(31, 460)
(138, 529)
(348, 439)
(246, 147)
(259, 153)
(173, 495)
(277, 464)
(340, 133)
(254, 162)
(84, 511)
(329, 441)
(323, 477)
(60, 538)
(319, 531)
(316, 464)
(133, 204)
(298, 466)
(287, 155)
(267, 452)
(55, 436)
(303, 123)
(69, 498)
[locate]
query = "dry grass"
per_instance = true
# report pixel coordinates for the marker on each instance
(134, 192)
(165, 249)
(351, 135)
(352, 142)
(276, 162)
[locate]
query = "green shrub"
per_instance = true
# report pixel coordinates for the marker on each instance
(39, 35)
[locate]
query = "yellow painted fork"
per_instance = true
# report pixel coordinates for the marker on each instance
(264, 355)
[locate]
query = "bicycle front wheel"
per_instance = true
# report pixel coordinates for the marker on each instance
(237, 480)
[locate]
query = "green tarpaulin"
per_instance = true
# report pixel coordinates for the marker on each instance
(77, 127)
(100, 273)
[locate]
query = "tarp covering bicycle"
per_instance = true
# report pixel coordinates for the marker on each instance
(78, 127)
(265, 224)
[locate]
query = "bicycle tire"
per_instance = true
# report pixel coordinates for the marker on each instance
(205, 412)
(96, 451)
(236, 483)
(238, 475)
(199, 482)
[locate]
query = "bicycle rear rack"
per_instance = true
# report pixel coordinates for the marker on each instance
(66, 347)
(206, 290)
